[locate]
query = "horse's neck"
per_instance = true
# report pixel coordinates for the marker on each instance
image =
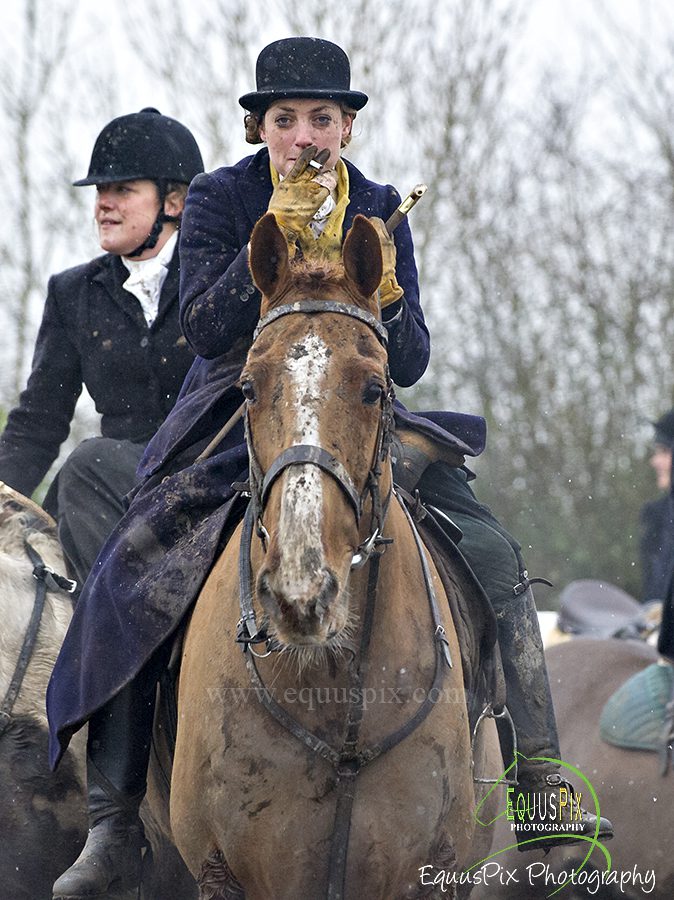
(401, 591)
(17, 599)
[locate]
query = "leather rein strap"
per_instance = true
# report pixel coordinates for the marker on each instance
(348, 759)
(46, 579)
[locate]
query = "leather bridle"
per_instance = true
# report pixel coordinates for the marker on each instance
(310, 454)
(46, 580)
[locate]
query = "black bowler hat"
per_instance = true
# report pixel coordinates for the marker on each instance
(302, 67)
(664, 429)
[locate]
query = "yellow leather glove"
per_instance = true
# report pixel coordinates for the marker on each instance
(389, 289)
(297, 198)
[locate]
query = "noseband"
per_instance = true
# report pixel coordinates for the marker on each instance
(312, 454)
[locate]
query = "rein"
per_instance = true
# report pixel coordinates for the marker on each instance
(349, 759)
(46, 579)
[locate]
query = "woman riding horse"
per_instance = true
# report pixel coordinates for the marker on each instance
(110, 325)
(156, 560)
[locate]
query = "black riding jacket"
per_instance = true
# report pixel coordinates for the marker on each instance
(94, 333)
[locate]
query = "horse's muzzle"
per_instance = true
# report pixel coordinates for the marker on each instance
(303, 612)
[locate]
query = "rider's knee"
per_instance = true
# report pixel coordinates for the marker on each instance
(87, 458)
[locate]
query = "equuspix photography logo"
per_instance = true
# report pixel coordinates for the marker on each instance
(557, 811)
(535, 818)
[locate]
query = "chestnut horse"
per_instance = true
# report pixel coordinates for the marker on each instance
(328, 753)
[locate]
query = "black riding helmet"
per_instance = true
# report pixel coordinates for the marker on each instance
(145, 145)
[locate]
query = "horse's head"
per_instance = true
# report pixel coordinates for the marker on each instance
(318, 413)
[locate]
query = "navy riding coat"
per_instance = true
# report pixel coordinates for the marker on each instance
(152, 567)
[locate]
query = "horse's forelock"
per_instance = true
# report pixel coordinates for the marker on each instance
(315, 277)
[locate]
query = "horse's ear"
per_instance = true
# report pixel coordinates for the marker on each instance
(268, 260)
(361, 255)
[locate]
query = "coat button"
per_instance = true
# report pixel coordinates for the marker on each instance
(144, 342)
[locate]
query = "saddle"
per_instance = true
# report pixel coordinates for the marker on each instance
(601, 610)
(413, 452)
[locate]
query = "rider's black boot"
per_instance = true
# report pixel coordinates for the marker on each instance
(118, 748)
(545, 808)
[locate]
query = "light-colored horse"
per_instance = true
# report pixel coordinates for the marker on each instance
(327, 769)
(42, 814)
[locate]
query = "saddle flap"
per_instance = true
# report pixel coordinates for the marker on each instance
(413, 452)
(473, 618)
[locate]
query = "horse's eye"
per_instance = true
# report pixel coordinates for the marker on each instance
(248, 391)
(372, 393)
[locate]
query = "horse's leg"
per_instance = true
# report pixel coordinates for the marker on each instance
(216, 880)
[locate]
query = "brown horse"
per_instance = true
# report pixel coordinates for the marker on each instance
(341, 764)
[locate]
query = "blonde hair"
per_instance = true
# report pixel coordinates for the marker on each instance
(253, 122)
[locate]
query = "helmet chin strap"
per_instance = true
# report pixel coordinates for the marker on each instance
(152, 238)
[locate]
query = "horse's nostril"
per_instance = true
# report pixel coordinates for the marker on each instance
(306, 601)
(327, 594)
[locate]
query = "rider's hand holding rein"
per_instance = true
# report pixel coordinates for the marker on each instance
(297, 198)
(389, 289)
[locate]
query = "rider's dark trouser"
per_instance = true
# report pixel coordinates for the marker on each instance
(495, 558)
(87, 498)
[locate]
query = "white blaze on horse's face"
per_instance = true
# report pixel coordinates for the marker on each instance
(302, 498)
